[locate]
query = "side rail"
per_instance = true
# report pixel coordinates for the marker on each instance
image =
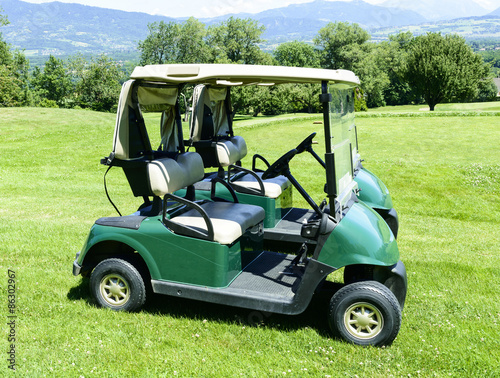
(259, 157)
(184, 229)
(231, 178)
(218, 180)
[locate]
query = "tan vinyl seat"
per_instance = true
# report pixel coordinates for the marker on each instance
(228, 220)
(273, 187)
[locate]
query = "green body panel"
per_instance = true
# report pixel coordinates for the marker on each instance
(373, 191)
(361, 237)
(177, 258)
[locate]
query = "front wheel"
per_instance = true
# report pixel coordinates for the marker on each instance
(117, 284)
(365, 313)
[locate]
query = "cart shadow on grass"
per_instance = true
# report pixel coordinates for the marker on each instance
(186, 308)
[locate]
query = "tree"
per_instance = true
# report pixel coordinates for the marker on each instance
(297, 54)
(13, 73)
(487, 91)
(236, 41)
(338, 41)
(53, 83)
(21, 71)
(345, 46)
(161, 44)
(372, 72)
(393, 57)
(175, 43)
(5, 56)
(97, 83)
(10, 88)
(192, 46)
(443, 68)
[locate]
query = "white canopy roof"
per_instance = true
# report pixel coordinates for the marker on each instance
(240, 74)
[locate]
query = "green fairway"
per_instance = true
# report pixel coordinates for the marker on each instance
(472, 107)
(443, 172)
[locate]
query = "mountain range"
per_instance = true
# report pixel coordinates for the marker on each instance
(65, 28)
(434, 10)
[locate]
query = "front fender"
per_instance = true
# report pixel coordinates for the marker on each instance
(373, 191)
(361, 237)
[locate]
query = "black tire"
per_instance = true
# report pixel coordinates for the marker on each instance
(365, 313)
(118, 285)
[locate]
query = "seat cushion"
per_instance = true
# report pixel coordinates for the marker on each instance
(229, 220)
(273, 187)
(230, 151)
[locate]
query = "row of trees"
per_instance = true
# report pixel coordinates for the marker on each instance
(78, 82)
(233, 41)
(430, 68)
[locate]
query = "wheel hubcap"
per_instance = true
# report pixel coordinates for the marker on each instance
(114, 289)
(363, 320)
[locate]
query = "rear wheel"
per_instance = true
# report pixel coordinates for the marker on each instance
(118, 285)
(365, 313)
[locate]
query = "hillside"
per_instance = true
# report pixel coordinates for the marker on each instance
(65, 29)
(470, 28)
(496, 12)
(62, 28)
(321, 12)
(434, 10)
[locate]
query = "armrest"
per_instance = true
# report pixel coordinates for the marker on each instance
(183, 229)
(260, 192)
(254, 160)
(217, 180)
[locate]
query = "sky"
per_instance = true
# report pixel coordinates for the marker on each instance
(208, 8)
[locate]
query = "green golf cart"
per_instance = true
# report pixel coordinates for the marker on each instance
(201, 236)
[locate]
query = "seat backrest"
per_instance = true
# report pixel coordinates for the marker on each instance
(131, 140)
(211, 121)
(169, 131)
(209, 117)
(169, 175)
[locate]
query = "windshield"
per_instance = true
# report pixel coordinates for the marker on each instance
(342, 119)
(342, 144)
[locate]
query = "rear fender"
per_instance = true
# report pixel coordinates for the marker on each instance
(105, 242)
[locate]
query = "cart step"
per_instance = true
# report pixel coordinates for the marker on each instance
(269, 283)
(270, 274)
(289, 227)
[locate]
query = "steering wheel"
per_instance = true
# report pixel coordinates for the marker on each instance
(305, 144)
(279, 166)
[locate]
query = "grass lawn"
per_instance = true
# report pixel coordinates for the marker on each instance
(444, 176)
(473, 106)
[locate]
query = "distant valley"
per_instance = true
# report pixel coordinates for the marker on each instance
(65, 29)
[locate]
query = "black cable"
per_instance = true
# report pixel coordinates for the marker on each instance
(106, 190)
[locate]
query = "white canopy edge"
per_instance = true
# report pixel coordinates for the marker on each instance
(241, 74)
